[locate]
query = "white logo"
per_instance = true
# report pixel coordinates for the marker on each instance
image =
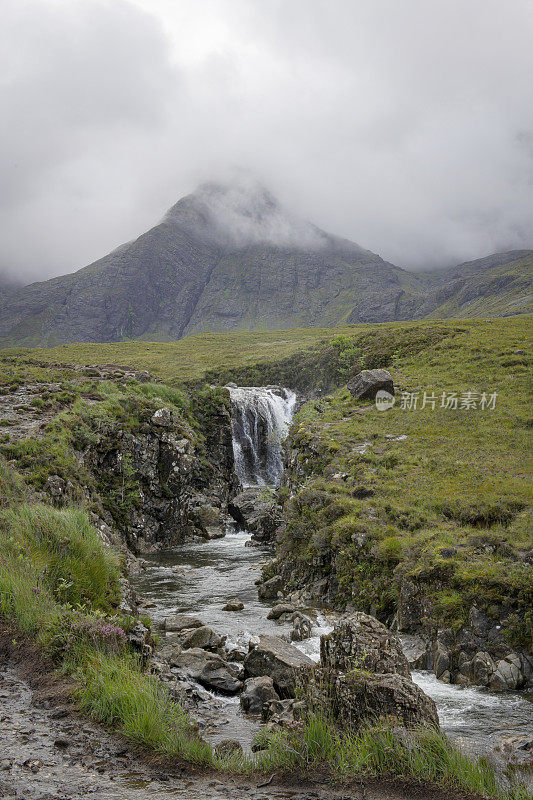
(384, 400)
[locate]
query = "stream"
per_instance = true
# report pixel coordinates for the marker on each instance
(200, 577)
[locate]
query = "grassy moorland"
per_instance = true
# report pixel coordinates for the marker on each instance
(191, 358)
(437, 495)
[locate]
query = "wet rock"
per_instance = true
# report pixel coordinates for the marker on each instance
(359, 641)
(270, 589)
(203, 637)
(278, 659)
(228, 748)
(278, 610)
(302, 628)
(233, 605)
(368, 382)
(257, 511)
(180, 622)
(257, 692)
(210, 670)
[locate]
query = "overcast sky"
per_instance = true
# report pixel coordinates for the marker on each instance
(405, 125)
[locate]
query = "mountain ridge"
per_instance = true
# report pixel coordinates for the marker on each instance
(231, 257)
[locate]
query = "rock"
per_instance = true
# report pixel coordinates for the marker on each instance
(278, 659)
(359, 641)
(257, 511)
(482, 667)
(284, 713)
(210, 670)
(269, 589)
(203, 637)
(368, 382)
(359, 698)
(257, 692)
(228, 748)
(55, 486)
(233, 605)
(279, 609)
(415, 650)
(302, 628)
(162, 417)
(180, 622)
(140, 640)
(505, 677)
(441, 659)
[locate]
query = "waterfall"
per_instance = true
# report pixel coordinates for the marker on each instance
(260, 421)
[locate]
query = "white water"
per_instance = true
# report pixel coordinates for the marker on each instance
(261, 416)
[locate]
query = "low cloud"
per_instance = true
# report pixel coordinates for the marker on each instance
(406, 127)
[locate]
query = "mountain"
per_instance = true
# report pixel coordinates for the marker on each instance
(229, 257)
(495, 286)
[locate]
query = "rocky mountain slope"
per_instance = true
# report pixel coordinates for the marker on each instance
(231, 258)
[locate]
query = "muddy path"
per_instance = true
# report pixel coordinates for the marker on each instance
(50, 752)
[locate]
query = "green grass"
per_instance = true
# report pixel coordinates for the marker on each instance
(189, 359)
(459, 479)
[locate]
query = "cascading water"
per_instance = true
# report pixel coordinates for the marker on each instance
(261, 416)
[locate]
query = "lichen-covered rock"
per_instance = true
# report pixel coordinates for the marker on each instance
(359, 641)
(280, 660)
(360, 698)
(366, 384)
(257, 692)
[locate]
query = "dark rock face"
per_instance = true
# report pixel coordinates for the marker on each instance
(359, 641)
(279, 660)
(164, 493)
(257, 511)
(367, 383)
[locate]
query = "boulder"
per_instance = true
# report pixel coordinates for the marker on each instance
(180, 622)
(55, 486)
(359, 641)
(359, 698)
(270, 589)
(257, 692)
(209, 669)
(228, 748)
(203, 637)
(278, 610)
(278, 659)
(256, 510)
(507, 675)
(482, 668)
(233, 605)
(368, 383)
